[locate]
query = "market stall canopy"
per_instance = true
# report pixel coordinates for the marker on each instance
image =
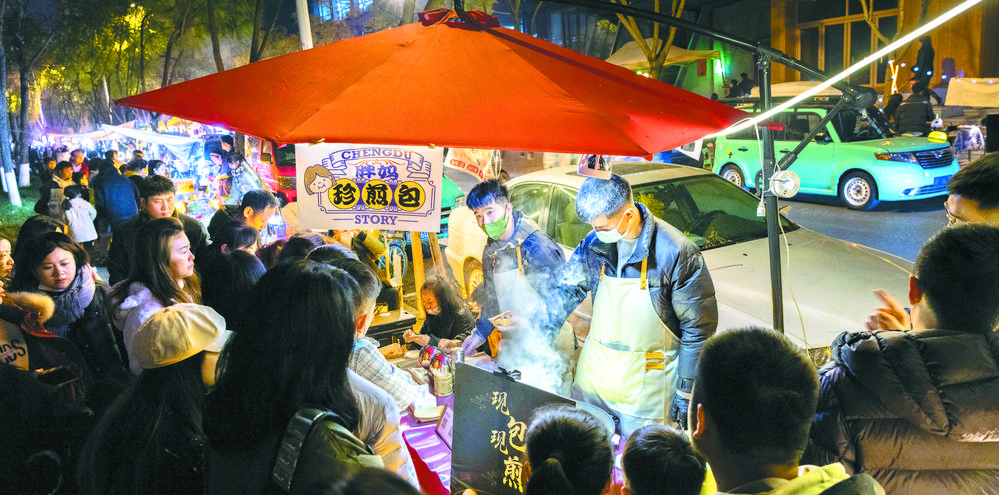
(795, 88)
(98, 135)
(973, 92)
(451, 83)
(184, 148)
(630, 56)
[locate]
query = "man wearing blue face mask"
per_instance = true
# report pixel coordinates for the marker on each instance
(653, 308)
(517, 265)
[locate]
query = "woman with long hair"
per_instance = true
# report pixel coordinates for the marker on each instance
(569, 452)
(151, 440)
(53, 265)
(290, 354)
(227, 282)
(162, 274)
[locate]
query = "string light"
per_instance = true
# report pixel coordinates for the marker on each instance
(853, 68)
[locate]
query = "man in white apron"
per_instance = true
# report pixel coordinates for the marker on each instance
(517, 266)
(653, 308)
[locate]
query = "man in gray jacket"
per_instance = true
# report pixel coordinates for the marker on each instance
(653, 308)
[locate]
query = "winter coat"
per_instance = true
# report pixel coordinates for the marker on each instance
(80, 218)
(452, 327)
(80, 317)
(51, 197)
(917, 410)
(541, 257)
(328, 454)
(131, 313)
(115, 197)
(814, 480)
(118, 253)
(914, 115)
(679, 285)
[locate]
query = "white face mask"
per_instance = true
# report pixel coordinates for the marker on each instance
(613, 235)
(435, 311)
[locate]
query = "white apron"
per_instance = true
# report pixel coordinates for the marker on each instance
(628, 363)
(514, 293)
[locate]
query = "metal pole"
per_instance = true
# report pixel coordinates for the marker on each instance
(769, 199)
(304, 25)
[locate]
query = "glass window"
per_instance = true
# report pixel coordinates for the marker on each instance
(797, 125)
(809, 11)
(530, 200)
(860, 47)
(885, 5)
(809, 47)
(563, 224)
(709, 210)
(887, 26)
(833, 44)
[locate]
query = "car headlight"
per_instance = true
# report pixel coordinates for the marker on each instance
(897, 157)
(819, 356)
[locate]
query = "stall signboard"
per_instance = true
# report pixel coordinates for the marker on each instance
(491, 414)
(362, 186)
(475, 162)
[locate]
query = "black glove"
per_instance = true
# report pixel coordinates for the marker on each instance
(678, 410)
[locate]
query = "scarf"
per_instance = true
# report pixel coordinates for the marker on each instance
(71, 303)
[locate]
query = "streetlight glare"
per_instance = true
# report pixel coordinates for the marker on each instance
(853, 68)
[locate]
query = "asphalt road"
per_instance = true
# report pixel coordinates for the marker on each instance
(900, 228)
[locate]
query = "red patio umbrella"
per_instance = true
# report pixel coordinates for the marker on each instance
(447, 82)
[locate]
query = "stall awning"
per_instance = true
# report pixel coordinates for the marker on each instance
(630, 56)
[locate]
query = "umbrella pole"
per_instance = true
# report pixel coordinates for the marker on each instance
(769, 198)
(417, 244)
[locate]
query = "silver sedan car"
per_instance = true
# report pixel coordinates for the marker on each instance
(828, 283)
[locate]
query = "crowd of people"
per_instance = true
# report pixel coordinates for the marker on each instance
(208, 363)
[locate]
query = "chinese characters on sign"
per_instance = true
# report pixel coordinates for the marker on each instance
(509, 442)
(344, 186)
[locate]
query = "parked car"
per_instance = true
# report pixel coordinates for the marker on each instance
(857, 157)
(827, 283)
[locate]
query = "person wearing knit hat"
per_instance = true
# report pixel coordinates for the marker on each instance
(151, 440)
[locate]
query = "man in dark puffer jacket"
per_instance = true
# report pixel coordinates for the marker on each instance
(919, 409)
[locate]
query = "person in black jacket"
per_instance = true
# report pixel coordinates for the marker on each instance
(53, 265)
(915, 113)
(448, 323)
(918, 408)
(156, 201)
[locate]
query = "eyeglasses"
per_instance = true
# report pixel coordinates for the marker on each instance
(951, 219)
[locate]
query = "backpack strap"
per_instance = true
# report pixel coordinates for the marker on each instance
(292, 442)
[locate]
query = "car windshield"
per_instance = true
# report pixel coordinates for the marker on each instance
(859, 124)
(709, 210)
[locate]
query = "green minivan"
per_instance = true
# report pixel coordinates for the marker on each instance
(857, 157)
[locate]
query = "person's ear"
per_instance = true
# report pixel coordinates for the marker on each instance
(361, 324)
(142, 203)
(247, 212)
(915, 294)
(698, 430)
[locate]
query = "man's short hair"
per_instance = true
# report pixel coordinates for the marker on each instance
(958, 273)
(760, 391)
(135, 165)
(259, 200)
(110, 154)
(602, 197)
(227, 139)
(156, 185)
(62, 165)
(486, 192)
(978, 181)
(659, 460)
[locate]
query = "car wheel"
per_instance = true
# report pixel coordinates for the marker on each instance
(858, 191)
(732, 174)
(473, 276)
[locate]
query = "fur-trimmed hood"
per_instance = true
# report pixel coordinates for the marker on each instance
(37, 304)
